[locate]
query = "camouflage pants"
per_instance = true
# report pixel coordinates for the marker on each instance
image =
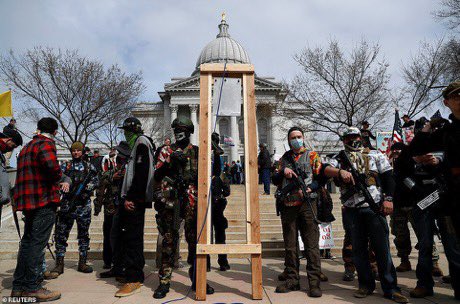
(399, 223)
(65, 221)
(165, 218)
(347, 249)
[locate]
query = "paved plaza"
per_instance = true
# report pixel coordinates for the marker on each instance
(231, 287)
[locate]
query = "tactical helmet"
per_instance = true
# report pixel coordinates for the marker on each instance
(185, 123)
(351, 131)
(132, 124)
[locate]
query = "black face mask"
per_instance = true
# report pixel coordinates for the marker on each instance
(182, 137)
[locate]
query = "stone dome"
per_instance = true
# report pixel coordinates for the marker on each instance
(222, 49)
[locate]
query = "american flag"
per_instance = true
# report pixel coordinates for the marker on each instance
(397, 130)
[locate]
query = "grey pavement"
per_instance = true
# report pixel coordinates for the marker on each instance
(231, 287)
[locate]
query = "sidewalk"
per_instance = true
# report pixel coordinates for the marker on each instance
(231, 287)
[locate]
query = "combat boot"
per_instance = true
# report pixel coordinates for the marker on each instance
(283, 276)
(348, 275)
(436, 271)
(404, 266)
(161, 291)
(82, 266)
(56, 271)
(420, 292)
(287, 287)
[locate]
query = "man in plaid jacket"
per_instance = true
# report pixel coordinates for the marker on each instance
(36, 193)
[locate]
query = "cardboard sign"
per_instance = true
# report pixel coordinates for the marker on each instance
(326, 237)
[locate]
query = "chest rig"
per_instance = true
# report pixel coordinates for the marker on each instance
(293, 198)
(77, 172)
(362, 163)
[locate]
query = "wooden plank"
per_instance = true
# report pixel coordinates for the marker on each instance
(253, 202)
(204, 173)
(247, 168)
(229, 248)
(231, 68)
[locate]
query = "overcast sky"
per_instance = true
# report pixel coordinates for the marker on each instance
(163, 39)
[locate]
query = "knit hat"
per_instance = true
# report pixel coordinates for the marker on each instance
(78, 145)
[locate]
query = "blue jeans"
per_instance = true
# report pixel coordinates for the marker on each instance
(424, 229)
(265, 176)
(38, 224)
(367, 227)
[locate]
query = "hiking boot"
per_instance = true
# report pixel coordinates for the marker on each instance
(436, 271)
(397, 297)
(43, 295)
(323, 277)
(447, 279)
(110, 274)
(287, 287)
(420, 292)
(16, 293)
(404, 266)
(362, 293)
(315, 292)
(161, 291)
(56, 271)
(348, 275)
(283, 276)
(128, 289)
(82, 266)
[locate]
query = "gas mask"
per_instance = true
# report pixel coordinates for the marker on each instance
(180, 136)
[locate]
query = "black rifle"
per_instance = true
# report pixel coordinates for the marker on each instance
(360, 183)
(299, 182)
(76, 194)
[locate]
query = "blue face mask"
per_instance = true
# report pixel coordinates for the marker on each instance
(296, 143)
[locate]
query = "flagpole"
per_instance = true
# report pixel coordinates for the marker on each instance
(393, 132)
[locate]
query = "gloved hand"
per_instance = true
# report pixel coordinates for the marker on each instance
(178, 157)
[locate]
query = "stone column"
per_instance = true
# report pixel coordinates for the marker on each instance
(234, 133)
(194, 119)
(173, 109)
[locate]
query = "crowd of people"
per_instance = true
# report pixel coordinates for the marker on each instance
(419, 184)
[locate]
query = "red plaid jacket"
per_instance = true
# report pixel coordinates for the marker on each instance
(37, 175)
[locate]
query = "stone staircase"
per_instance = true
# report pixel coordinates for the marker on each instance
(271, 232)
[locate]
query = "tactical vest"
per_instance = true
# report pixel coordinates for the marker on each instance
(361, 161)
(293, 198)
(77, 176)
(190, 170)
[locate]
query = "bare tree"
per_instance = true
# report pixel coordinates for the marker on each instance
(434, 66)
(336, 89)
(78, 92)
(450, 12)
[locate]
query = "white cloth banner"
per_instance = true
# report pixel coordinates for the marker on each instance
(326, 237)
(231, 98)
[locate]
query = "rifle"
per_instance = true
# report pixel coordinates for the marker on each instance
(299, 182)
(71, 205)
(360, 184)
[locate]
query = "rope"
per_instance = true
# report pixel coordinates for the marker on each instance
(209, 197)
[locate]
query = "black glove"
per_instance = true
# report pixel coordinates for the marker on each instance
(179, 157)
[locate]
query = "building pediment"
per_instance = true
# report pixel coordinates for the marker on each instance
(193, 84)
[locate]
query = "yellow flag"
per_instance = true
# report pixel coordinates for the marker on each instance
(6, 108)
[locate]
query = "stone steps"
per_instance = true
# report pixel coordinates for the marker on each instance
(270, 223)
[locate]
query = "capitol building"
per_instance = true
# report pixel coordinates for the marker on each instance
(181, 98)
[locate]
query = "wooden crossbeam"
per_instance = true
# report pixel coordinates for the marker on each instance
(229, 249)
(253, 246)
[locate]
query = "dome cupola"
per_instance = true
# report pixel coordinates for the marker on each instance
(222, 49)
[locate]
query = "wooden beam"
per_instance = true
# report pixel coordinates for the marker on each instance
(229, 248)
(252, 187)
(230, 69)
(204, 173)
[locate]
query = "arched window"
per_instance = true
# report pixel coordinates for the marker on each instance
(262, 125)
(224, 129)
(241, 130)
